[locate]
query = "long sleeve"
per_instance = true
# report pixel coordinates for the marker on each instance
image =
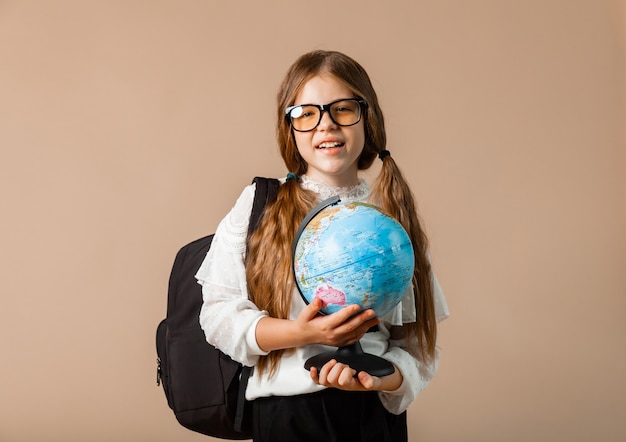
(227, 317)
(416, 377)
(416, 372)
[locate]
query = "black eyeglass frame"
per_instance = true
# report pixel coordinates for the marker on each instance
(326, 108)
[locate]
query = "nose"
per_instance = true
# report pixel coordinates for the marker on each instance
(326, 122)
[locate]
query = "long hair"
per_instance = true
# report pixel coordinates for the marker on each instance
(269, 264)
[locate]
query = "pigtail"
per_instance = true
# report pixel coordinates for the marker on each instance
(392, 194)
(269, 272)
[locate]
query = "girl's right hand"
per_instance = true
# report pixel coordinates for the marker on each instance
(338, 329)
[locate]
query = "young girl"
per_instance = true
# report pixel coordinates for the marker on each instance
(330, 126)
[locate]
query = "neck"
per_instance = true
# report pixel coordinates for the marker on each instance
(335, 180)
(359, 192)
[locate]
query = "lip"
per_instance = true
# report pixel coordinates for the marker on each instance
(330, 140)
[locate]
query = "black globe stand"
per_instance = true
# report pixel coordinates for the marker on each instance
(354, 356)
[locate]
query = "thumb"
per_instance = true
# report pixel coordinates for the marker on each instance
(368, 381)
(311, 310)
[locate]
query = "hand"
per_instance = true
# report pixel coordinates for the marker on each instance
(337, 375)
(339, 329)
(342, 328)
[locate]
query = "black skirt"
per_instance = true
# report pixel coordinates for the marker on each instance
(330, 415)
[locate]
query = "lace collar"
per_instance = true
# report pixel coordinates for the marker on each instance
(359, 192)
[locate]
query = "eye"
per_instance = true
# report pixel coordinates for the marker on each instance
(345, 107)
(296, 112)
(304, 111)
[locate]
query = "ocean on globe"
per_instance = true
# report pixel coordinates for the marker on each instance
(353, 253)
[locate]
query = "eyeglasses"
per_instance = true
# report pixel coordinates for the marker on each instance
(344, 112)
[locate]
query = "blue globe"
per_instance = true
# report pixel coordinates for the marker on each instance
(353, 253)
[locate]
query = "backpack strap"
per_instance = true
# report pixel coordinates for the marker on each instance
(265, 193)
(246, 372)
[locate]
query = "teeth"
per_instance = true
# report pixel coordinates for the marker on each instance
(325, 145)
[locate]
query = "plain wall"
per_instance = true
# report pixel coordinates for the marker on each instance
(128, 128)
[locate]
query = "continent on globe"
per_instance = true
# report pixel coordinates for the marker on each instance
(330, 295)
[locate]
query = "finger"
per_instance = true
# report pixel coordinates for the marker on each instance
(368, 381)
(360, 323)
(315, 375)
(346, 378)
(348, 334)
(337, 373)
(369, 323)
(365, 317)
(312, 309)
(344, 314)
(324, 372)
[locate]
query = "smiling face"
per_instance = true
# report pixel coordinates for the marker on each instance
(330, 151)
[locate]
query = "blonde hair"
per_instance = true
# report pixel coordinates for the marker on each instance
(269, 265)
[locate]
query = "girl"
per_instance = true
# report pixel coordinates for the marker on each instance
(330, 126)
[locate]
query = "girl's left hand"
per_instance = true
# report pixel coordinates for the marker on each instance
(337, 375)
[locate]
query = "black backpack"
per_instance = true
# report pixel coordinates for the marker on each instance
(202, 385)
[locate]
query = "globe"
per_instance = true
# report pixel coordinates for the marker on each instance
(353, 253)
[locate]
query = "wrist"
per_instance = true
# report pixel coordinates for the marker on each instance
(392, 382)
(277, 334)
(302, 335)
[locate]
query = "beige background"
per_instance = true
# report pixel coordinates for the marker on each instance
(128, 128)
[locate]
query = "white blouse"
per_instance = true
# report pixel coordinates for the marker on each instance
(229, 318)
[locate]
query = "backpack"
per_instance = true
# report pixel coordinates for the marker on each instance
(204, 387)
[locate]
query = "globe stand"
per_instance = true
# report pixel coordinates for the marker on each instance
(354, 356)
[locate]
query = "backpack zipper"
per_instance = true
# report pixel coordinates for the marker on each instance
(158, 372)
